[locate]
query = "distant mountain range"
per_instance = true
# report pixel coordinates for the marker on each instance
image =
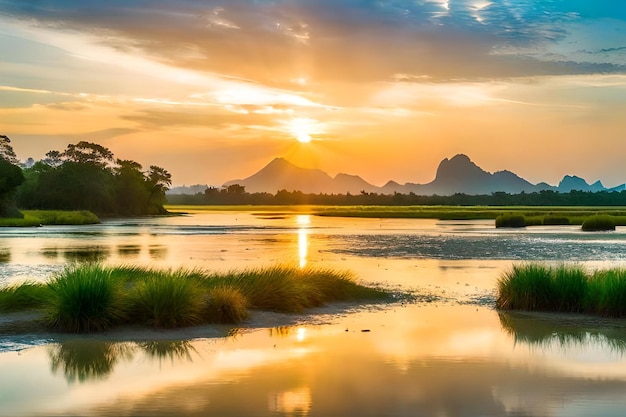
(456, 175)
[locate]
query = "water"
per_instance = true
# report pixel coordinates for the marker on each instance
(450, 355)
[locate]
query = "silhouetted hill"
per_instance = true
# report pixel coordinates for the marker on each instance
(283, 175)
(456, 175)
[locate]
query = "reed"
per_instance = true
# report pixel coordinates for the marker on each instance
(564, 288)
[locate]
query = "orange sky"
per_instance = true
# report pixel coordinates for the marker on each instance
(214, 90)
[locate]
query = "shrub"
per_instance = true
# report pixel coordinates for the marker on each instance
(85, 298)
(600, 222)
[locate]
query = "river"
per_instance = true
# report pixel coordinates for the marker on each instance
(448, 353)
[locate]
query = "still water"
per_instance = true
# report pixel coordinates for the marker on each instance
(450, 354)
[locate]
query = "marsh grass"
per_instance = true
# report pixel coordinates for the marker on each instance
(167, 300)
(600, 222)
(511, 220)
(26, 296)
(86, 298)
(225, 305)
(92, 297)
(564, 288)
(33, 218)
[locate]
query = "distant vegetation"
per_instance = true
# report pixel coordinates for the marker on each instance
(564, 288)
(86, 176)
(51, 217)
(237, 195)
(92, 297)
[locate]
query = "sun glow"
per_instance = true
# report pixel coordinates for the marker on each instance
(302, 129)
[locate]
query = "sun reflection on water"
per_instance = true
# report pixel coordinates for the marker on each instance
(293, 402)
(303, 220)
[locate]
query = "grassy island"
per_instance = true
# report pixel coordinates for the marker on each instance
(92, 297)
(33, 218)
(563, 288)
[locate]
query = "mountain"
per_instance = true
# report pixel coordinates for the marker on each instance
(455, 175)
(280, 174)
(460, 175)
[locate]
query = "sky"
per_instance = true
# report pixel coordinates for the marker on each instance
(214, 90)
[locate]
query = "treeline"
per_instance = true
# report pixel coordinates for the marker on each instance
(85, 176)
(236, 194)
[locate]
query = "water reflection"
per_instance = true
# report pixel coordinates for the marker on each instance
(80, 361)
(85, 360)
(5, 255)
(158, 251)
(291, 403)
(168, 349)
(129, 250)
(304, 221)
(87, 254)
(543, 330)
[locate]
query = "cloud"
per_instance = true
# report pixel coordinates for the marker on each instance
(273, 42)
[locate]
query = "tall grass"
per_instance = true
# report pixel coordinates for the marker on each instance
(167, 300)
(86, 298)
(565, 288)
(600, 222)
(225, 305)
(91, 297)
(22, 297)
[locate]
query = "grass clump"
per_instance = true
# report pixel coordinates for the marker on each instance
(510, 220)
(565, 288)
(23, 297)
(92, 297)
(86, 298)
(225, 305)
(167, 300)
(607, 292)
(600, 222)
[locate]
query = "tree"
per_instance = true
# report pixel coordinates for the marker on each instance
(11, 177)
(158, 182)
(88, 153)
(130, 190)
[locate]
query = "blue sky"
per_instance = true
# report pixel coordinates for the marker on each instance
(213, 90)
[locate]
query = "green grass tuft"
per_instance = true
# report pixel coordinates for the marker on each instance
(167, 300)
(510, 220)
(86, 298)
(225, 305)
(23, 297)
(566, 288)
(600, 222)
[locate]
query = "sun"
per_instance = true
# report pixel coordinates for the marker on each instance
(302, 129)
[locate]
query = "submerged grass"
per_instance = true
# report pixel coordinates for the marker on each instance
(92, 297)
(564, 288)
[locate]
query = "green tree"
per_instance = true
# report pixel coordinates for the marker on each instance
(131, 193)
(11, 177)
(158, 181)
